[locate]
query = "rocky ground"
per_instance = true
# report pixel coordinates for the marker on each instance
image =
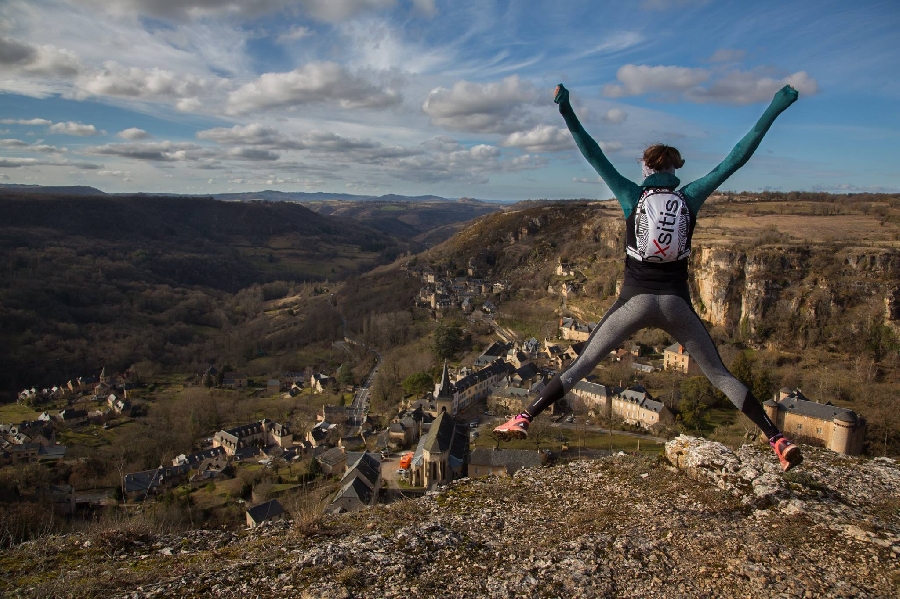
(701, 521)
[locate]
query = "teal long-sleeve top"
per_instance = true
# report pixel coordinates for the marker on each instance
(695, 193)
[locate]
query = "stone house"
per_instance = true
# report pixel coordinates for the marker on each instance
(333, 414)
(823, 424)
(508, 398)
(195, 459)
(573, 330)
(676, 358)
(403, 432)
(257, 434)
(333, 462)
(72, 417)
(138, 484)
(270, 511)
(321, 383)
(633, 406)
(594, 396)
(494, 352)
(323, 433)
(288, 379)
(456, 397)
(117, 404)
(503, 462)
(636, 407)
(360, 485)
(235, 380)
(24, 453)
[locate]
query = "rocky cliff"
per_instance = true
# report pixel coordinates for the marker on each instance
(699, 521)
(810, 287)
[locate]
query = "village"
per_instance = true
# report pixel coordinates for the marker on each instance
(431, 440)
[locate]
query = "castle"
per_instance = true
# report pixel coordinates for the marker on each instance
(814, 423)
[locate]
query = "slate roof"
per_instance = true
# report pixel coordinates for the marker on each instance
(592, 388)
(357, 488)
(193, 460)
(265, 511)
(332, 457)
(821, 411)
(440, 436)
(366, 464)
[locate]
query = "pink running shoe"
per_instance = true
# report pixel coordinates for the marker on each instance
(788, 453)
(517, 428)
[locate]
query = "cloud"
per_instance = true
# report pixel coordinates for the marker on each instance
(164, 151)
(13, 143)
(329, 11)
(615, 43)
(26, 122)
(610, 146)
(743, 87)
(635, 80)
(148, 84)
(252, 134)
(852, 188)
(255, 154)
(192, 104)
(78, 129)
(614, 115)
(30, 59)
(133, 133)
(4, 177)
(17, 162)
(596, 181)
(727, 55)
(543, 138)
(425, 7)
(728, 87)
(481, 108)
(664, 5)
(314, 83)
(15, 53)
(295, 33)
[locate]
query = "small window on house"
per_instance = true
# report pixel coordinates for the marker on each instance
(799, 427)
(818, 430)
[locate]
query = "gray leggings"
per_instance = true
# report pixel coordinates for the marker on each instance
(638, 309)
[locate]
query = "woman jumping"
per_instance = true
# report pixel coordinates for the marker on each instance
(660, 220)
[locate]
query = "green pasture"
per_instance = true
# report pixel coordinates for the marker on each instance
(590, 440)
(14, 413)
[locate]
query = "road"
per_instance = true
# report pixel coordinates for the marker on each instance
(359, 408)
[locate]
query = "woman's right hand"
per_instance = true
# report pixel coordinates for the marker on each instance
(561, 95)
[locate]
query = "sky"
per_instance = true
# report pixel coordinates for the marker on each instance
(446, 97)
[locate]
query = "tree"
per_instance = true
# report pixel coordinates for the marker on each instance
(692, 414)
(742, 369)
(539, 431)
(345, 375)
(447, 341)
(417, 383)
(698, 389)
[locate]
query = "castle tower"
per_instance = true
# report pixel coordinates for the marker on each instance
(842, 433)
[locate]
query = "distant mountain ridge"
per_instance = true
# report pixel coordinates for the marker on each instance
(266, 194)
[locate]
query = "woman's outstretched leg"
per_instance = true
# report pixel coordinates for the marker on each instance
(627, 316)
(684, 324)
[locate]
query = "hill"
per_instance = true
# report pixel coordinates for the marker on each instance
(702, 521)
(94, 280)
